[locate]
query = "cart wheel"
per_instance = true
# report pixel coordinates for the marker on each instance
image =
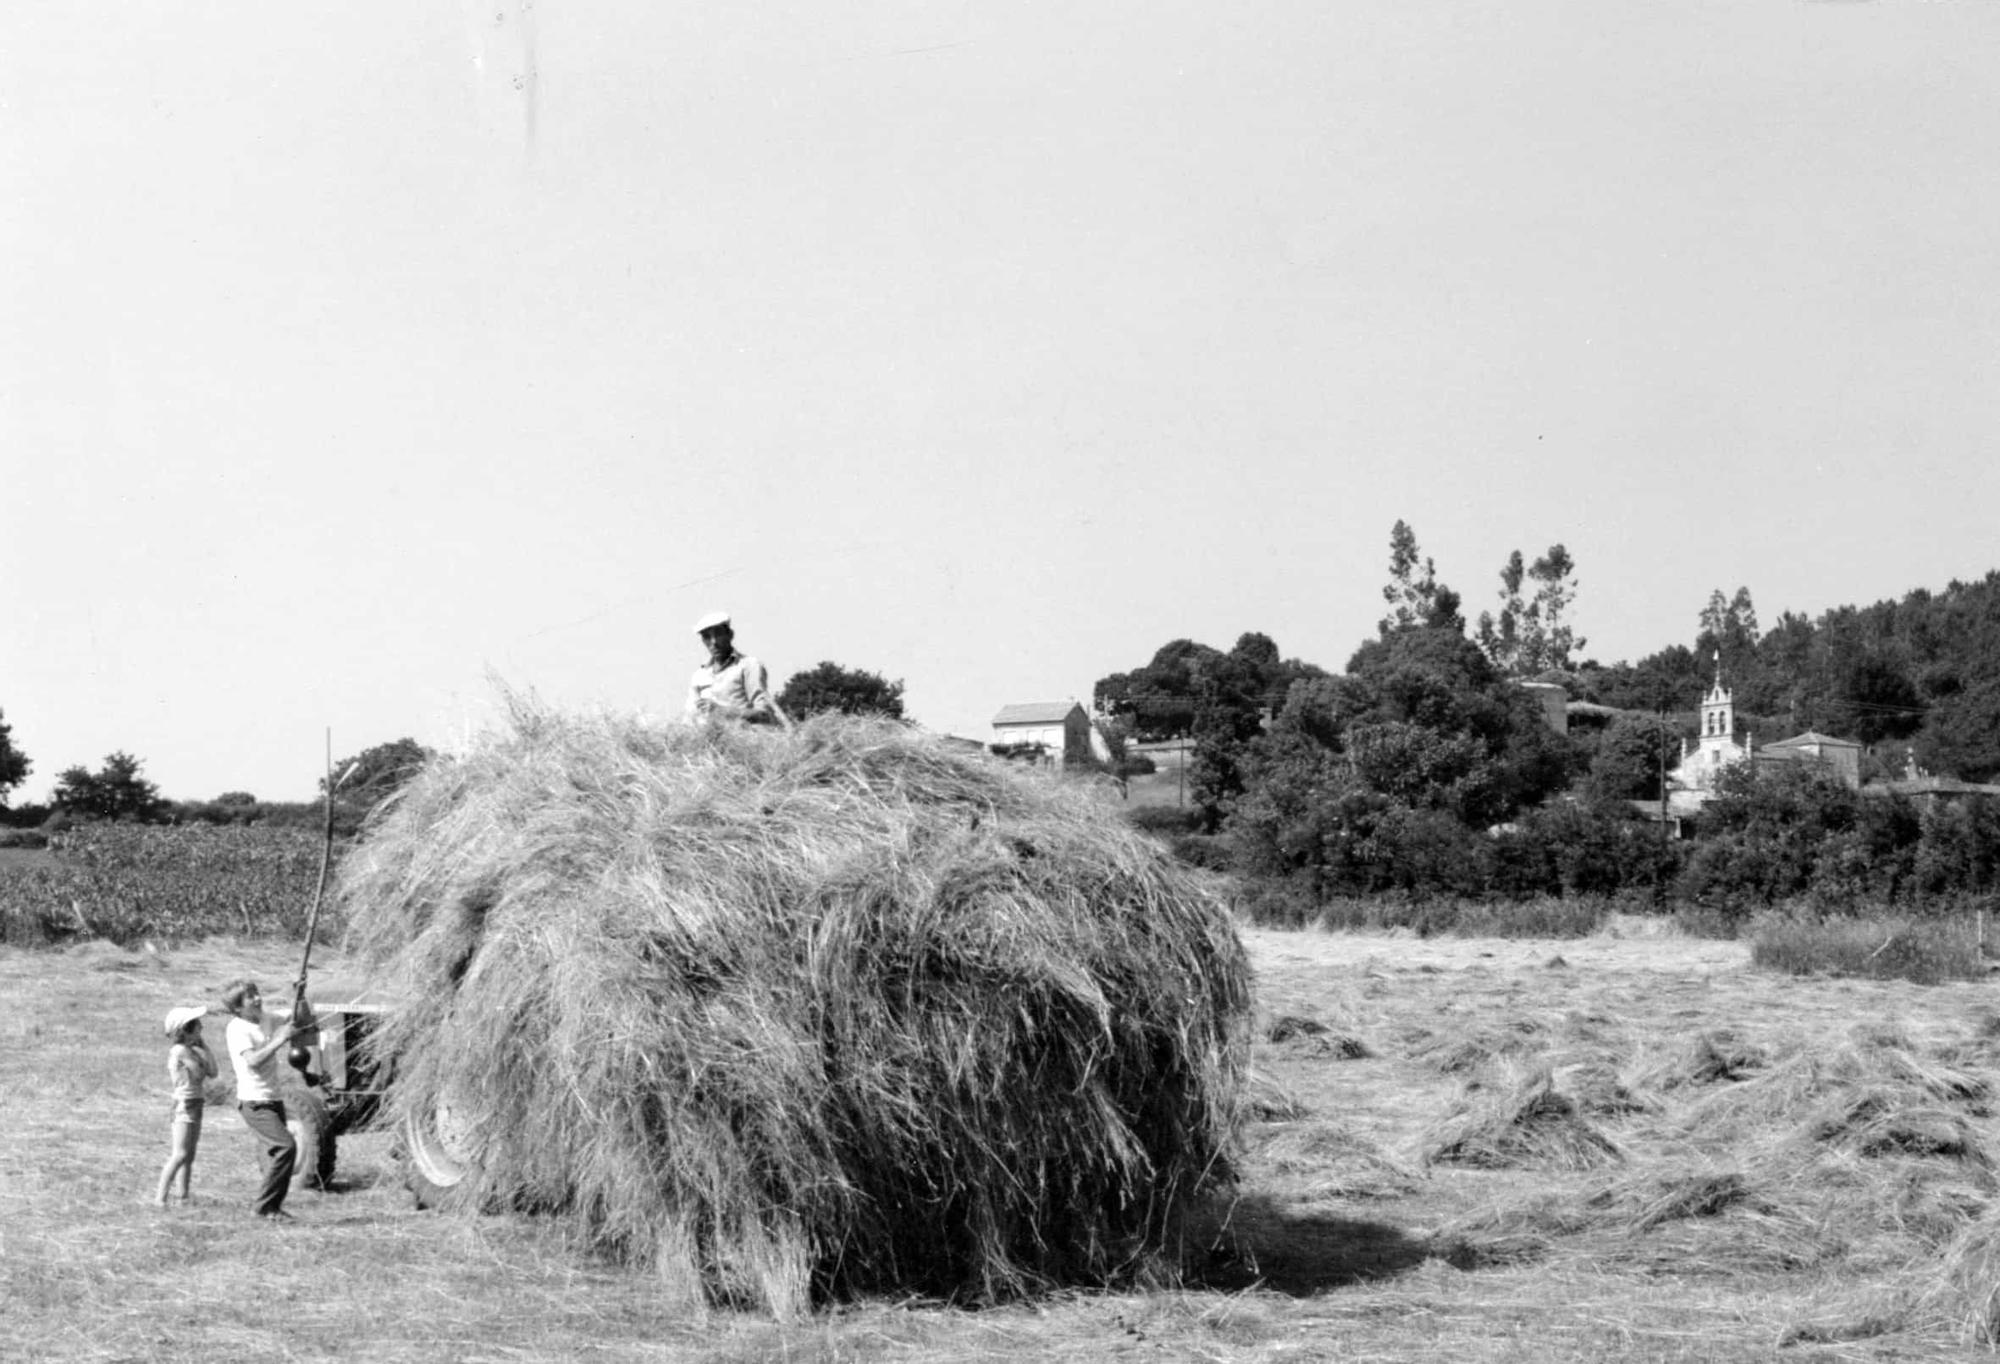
(311, 1127)
(435, 1167)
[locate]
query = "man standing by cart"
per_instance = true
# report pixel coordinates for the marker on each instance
(731, 685)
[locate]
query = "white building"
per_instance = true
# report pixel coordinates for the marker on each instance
(1692, 785)
(1717, 748)
(1061, 727)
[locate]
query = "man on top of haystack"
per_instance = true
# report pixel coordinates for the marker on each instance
(731, 685)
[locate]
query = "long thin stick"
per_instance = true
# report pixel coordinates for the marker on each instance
(325, 861)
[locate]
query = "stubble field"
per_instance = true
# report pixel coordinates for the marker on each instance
(1629, 1146)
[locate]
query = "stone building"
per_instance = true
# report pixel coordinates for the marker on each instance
(1840, 756)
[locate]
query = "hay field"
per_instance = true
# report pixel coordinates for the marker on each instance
(1629, 1146)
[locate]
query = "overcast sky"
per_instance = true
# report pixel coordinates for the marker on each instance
(352, 354)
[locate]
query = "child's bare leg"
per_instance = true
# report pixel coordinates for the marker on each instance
(179, 1162)
(187, 1166)
(175, 1165)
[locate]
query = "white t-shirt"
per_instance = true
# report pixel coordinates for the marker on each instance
(254, 1083)
(184, 1071)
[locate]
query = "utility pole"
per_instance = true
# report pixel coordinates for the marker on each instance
(1660, 758)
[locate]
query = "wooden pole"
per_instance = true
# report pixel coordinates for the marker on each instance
(325, 861)
(1660, 761)
(302, 1014)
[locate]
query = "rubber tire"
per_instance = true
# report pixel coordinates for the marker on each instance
(312, 1128)
(434, 1178)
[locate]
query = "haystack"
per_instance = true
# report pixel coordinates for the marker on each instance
(797, 1015)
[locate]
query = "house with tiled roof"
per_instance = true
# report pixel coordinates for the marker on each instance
(1840, 756)
(1060, 727)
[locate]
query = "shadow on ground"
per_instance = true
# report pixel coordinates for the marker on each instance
(1299, 1253)
(357, 1181)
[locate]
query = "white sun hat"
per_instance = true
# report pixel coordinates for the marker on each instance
(181, 1015)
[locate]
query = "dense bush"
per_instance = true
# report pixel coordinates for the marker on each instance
(1279, 904)
(1602, 847)
(347, 816)
(1163, 820)
(1728, 879)
(1545, 916)
(1763, 834)
(1211, 852)
(1429, 852)
(26, 815)
(1542, 917)
(1572, 847)
(1706, 921)
(1925, 951)
(1798, 833)
(1958, 849)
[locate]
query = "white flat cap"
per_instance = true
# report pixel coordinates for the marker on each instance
(711, 620)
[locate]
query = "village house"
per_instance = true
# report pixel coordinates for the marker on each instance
(1842, 757)
(1062, 728)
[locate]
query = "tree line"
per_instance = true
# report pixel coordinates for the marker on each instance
(117, 790)
(1424, 766)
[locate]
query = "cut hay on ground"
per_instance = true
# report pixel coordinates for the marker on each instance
(1461, 1046)
(1963, 1288)
(1333, 1161)
(1510, 1116)
(796, 1015)
(1708, 1058)
(1310, 1037)
(1868, 1153)
(1860, 1088)
(1600, 1092)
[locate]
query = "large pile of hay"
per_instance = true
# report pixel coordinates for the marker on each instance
(807, 1014)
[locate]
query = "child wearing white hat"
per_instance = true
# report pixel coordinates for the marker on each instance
(189, 1067)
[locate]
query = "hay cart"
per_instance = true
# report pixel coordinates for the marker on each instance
(339, 1089)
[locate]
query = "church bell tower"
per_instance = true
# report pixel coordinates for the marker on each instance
(1718, 726)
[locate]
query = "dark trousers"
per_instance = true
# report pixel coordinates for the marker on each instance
(277, 1152)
